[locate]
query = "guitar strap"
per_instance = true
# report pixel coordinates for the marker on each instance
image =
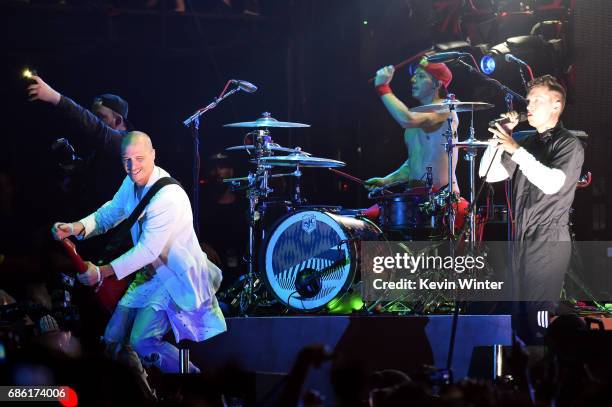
(122, 231)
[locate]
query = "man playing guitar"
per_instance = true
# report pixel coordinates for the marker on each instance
(178, 290)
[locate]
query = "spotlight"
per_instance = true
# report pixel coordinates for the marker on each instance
(543, 56)
(494, 58)
(487, 64)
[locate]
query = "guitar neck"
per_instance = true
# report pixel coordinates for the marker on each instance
(75, 258)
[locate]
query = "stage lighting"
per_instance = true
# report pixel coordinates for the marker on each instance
(543, 56)
(487, 64)
(494, 58)
(347, 304)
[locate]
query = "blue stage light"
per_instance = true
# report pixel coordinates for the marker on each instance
(487, 64)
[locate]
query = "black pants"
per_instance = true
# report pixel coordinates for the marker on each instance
(541, 260)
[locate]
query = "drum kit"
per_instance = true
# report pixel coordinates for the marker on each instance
(309, 256)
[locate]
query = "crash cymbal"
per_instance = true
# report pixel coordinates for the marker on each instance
(458, 107)
(294, 160)
(270, 147)
(266, 121)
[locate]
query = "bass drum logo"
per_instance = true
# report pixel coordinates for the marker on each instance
(309, 223)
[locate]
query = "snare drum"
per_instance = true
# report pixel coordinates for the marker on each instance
(404, 212)
(311, 257)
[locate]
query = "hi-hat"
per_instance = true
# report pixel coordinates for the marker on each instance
(266, 121)
(235, 180)
(473, 143)
(446, 105)
(301, 160)
(270, 147)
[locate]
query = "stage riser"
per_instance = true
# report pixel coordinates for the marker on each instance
(270, 344)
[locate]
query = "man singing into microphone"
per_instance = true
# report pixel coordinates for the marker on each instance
(425, 133)
(544, 169)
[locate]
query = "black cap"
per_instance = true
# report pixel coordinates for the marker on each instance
(115, 103)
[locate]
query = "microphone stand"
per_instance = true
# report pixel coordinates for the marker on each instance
(451, 219)
(450, 216)
(503, 88)
(523, 77)
(510, 94)
(193, 122)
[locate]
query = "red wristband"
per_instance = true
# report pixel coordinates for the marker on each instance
(383, 89)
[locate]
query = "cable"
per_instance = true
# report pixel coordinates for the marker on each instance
(510, 215)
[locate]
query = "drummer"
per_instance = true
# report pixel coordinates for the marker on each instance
(425, 133)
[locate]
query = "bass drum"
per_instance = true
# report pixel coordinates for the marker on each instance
(312, 257)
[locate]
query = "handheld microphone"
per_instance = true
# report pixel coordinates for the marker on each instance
(512, 58)
(446, 56)
(503, 120)
(245, 86)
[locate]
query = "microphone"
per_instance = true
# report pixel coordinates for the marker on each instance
(503, 120)
(446, 56)
(512, 58)
(245, 86)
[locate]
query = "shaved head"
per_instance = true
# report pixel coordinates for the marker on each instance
(135, 137)
(138, 157)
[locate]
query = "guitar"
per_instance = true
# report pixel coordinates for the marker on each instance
(109, 291)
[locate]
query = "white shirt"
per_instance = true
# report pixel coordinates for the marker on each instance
(185, 281)
(548, 180)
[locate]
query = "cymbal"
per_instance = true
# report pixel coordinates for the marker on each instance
(271, 147)
(458, 107)
(472, 144)
(266, 121)
(294, 160)
(232, 180)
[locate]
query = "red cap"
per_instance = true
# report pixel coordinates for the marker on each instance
(437, 70)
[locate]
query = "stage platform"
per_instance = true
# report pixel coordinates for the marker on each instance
(269, 345)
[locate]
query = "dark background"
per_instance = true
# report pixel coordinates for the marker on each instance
(311, 61)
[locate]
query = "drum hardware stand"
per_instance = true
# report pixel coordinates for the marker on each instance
(449, 149)
(257, 187)
(470, 156)
(297, 196)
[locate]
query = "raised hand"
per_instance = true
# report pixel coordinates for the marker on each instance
(41, 91)
(384, 75)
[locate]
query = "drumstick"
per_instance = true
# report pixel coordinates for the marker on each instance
(407, 61)
(355, 179)
(347, 176)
